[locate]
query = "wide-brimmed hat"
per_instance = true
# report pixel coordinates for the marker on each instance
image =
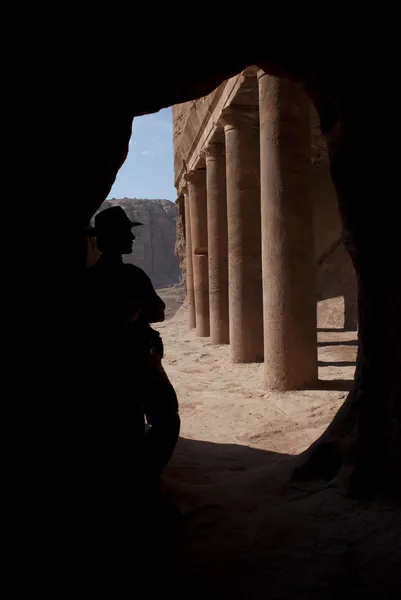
(111, 219)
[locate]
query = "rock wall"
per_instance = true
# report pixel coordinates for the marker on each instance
(154, 247)
(336, 289)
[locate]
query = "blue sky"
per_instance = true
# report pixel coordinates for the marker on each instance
(148, 169)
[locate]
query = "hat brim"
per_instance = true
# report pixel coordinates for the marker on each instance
(91, 231)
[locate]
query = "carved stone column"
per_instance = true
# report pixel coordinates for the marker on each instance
(290, 344)
(189, 267)
(198, 212)
(217, 242)
(241, 128)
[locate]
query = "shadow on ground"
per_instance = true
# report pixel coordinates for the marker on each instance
(339, 385)
(247, 533)
(338, 343)
(336, 363)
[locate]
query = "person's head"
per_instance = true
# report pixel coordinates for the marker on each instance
(113, 231)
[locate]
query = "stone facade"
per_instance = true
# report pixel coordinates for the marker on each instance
(180, 239)
(255, 143)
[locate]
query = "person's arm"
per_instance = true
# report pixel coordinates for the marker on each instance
(155, 310)
(134, 312)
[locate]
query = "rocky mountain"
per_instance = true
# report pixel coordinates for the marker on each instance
(155, 241)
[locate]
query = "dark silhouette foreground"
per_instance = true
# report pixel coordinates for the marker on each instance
(126, 379)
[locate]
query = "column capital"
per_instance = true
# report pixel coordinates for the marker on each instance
(215, 148)
(184, 189)
(195, 176)
(250, 71)
(235, 116)
(261, 73)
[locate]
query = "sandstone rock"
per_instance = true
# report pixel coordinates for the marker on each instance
(180, 238)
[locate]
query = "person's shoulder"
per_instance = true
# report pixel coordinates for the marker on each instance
(134, 270)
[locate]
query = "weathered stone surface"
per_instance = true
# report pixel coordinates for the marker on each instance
(188, 118)
(218, 243)
(288, 261)
(336, 286)
(155, 241)
(180, 241)
(336, 290)
(336, 281)
(199, 242)
(241, 129)
(319, 152)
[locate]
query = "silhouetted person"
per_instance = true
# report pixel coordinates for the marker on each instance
(128, 378)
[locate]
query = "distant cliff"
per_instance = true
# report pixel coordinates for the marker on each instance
(154, 245)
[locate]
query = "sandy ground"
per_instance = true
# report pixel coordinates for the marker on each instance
(173, 297)
(246, 532)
